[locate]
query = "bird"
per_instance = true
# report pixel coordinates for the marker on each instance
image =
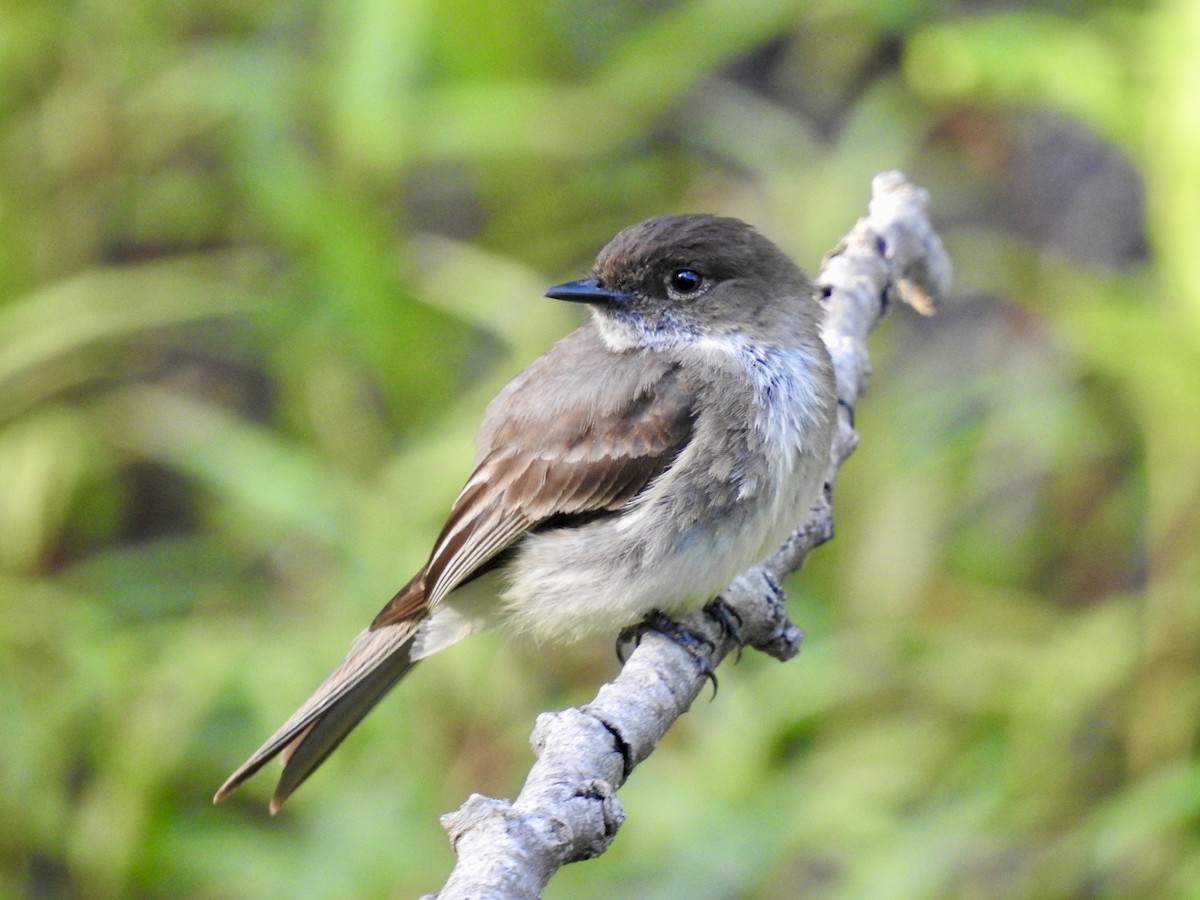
(630, 472)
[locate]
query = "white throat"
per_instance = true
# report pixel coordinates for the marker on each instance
(635, 334)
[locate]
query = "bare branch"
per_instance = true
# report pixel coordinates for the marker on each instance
(568, 809)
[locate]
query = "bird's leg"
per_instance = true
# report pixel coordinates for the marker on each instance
(658, 621)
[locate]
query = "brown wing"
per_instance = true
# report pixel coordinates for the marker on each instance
(579, 434)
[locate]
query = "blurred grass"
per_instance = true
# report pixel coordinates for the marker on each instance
(262, 264)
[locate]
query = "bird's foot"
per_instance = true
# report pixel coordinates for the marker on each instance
(660, 622)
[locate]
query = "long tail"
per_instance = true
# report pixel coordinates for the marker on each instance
(376, 661)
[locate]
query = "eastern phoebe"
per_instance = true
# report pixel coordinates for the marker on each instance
(638, 466)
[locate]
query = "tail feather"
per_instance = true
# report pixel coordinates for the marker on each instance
(376, 661)
(313, 746)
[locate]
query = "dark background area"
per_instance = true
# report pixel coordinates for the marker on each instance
(261, 266)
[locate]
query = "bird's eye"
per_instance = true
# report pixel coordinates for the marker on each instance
(685, 281)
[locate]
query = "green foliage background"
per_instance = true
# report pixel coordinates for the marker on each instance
(262, 263)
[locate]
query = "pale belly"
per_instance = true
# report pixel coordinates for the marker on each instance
(565, 584)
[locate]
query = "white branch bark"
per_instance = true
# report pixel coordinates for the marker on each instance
(568, 809)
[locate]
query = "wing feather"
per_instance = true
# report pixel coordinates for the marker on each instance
(549, 455)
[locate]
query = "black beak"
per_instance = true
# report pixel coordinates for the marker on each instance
(587, 290)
